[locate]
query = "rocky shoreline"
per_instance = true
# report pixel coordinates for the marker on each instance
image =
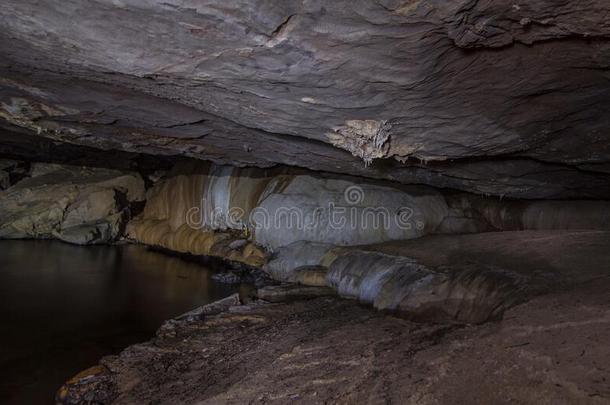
(320, 350)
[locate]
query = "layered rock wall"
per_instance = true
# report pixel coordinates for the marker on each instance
(276, 207)
(399, 248)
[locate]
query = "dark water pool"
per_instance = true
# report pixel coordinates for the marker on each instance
(62, 307)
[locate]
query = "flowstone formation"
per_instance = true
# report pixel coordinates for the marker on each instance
(399, 248)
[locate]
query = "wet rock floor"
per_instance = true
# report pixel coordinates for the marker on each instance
(552, 350)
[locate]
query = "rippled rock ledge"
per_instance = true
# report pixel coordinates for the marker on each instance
(327, 350)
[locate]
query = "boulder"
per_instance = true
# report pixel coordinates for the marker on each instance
(75, 204)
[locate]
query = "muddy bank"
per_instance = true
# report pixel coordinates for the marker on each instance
(550, 350)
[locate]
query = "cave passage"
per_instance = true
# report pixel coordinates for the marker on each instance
(312, 202)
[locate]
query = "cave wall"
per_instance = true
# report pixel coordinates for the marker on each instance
(469, 260)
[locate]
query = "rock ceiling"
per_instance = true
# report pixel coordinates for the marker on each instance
(488, 96)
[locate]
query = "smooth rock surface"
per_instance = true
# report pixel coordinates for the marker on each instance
(340, 212)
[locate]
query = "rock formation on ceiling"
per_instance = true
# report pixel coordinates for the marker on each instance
(487, 96)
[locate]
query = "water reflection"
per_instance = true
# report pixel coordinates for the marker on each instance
(62, 307)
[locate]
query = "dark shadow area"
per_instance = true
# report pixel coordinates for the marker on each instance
(63, 307)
